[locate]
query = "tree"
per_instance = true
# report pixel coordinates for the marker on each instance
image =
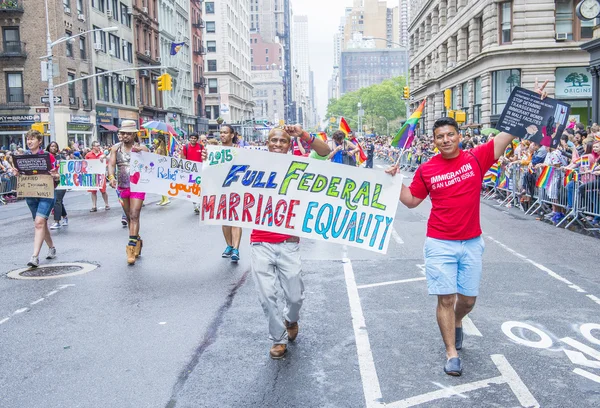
(573, 77)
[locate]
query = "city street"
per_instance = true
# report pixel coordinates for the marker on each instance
(184, 328)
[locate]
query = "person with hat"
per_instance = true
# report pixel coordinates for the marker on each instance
(120, 158)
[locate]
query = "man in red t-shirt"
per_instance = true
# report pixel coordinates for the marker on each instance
(276, 257)
(96, 153)
(454, 246)
(193, 151)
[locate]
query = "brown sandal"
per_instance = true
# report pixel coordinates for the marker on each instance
(94, 209)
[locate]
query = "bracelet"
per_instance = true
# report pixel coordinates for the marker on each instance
(312, 139)
(111, 177)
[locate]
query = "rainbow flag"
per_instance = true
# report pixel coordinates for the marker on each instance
(172, 142)
(510, 149)
(583, 161)
(406, 134)
(492, 174)
(570, 175)
(344, 126)
(361, 156)
(322, 136)
(503, 182)
(544, 178)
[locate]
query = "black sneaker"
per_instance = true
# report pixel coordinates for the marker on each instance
(459, 338)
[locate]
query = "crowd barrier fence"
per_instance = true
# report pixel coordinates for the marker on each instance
(8, 187)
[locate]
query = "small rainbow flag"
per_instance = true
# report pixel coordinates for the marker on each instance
(492, 174)
(171, 145)
(406, 134)
(544, 178)
(510, 149)
(570, 175)
(583, 161)
(322, 136)
(503, 183)
(344, 126)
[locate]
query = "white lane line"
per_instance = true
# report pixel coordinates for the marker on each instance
(379, 166)
(37, 301)
(451, 390)
(587, 375)
(6, 319)
(542, 268)
(368, 373)
(515, 383)
(469, 327)
(54, 292)
(374, 285)
(23, 310)
(396, 237)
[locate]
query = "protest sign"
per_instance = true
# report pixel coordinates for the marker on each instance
(529, 117)
(82, 175)
(299, 196)
(168, 176)
(35, 186)
(33, 163)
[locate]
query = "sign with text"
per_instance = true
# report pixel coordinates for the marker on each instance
(529, 117)
(33, 163)
(35, 186)
(82, 175)
(168, 176)
(299, 196)
(573, 83)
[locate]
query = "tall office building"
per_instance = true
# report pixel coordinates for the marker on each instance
(371, 18)
(199, 51)
(266, 18)
(229, 95)
(403, 22)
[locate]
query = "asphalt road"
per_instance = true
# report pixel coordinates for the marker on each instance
(183, 327)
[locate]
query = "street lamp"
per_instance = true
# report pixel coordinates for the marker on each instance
(387, 124)
(49, 45)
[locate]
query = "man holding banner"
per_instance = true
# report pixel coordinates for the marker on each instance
(454, 246)
(95, 154)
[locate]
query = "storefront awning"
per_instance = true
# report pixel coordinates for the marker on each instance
(110, 128)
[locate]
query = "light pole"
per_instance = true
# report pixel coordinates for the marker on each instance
(244, 115)
(49, 70)
(387, 122)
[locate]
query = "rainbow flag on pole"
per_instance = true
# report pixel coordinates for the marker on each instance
(583, 161)
(171, 145)
(344, 126)
(544, 178)
(492, 174)
(406, 134)
(570, 175)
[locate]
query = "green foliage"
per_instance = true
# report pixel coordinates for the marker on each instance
(382, 100)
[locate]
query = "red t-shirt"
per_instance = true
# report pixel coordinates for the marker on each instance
(93, 156)
(266, 236)
(193, 153)
(454, 186)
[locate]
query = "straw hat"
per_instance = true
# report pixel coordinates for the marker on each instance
(128, 126)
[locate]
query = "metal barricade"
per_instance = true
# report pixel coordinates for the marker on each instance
(587, 199)
(8, 186)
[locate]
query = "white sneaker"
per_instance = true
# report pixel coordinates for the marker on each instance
(64, 222)
(34, 262)
(54, 226)
(51, 253)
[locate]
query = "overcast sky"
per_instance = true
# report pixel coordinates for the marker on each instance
(323, 21)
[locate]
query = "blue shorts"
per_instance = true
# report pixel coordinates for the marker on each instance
(453, 266)
(40, 207)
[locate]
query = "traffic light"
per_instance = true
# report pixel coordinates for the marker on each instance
(165, 82)
(448, 98)
(39, 127)
(406, 92)
(460, 116)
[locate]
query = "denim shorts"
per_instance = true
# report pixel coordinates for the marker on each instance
(40, 207)
(453, 266)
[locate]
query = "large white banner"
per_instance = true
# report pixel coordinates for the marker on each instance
(299, 196)
(168, 176)
(82, 174)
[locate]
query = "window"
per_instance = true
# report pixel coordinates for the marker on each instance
(85, 93)
(505, 22)
(209, 7)
(102, 90)
(69, 44)
(212, 65)
(115, 9)
(71, 86)
(587, 29)
(100, 38)
(114, 46)
(208, 112)
(564, 18)
(67, 4)
(210, 27)
(14, 90)
(80, 6)
(503, 82)
(82, 50)
(211, 46)
(465, 100)
(98, 4)
(117, 89)
(125, 16)
(127, 51)
(213, 84)
(12, 39)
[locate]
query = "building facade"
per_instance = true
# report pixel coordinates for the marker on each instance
(198, 53)
(403, 22)
(371, 18)
(115, 93)
(362, 67)
(229, 89)
(462, 45)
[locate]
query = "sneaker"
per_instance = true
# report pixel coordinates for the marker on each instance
(124, 221)
(51, 253)
(227, 253)
(34, 262)
(292, 330)
(235, 255)
(64, 222)
(55, 225)
(278, 351)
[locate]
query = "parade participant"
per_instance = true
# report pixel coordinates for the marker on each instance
(233, 235)
(454, 245)
(40, 207)
(160, 148)
(96, 154)
(276, 258)
(120, 157)
(193, 151)
(370, 153)
(60, 212)
(342, 151)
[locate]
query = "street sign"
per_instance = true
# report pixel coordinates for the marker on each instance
(46, 92)
(46, 99)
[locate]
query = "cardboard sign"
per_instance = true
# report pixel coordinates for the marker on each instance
(33, 163)
(529, 117)
(299, 196)
(168, 176)
(82, 175)
(35, 186)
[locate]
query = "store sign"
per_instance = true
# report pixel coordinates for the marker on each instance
(80, 119)
(104, 115)
(19, 118)
(573, 83)
(78, 127)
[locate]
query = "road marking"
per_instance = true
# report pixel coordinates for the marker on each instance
(373, 285)
(469, 327)
(6, 319)
(578, 358)
(54, 292)
(396, 237)
(547, 270)
(514, 381)
(587, 375)
(586, 330)
(451, 390)
(421, 268)
(368, 373)
(162, 323)
(379, 166)
(23, 310)
(543, 343)
(581, 347)
(37, 301)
